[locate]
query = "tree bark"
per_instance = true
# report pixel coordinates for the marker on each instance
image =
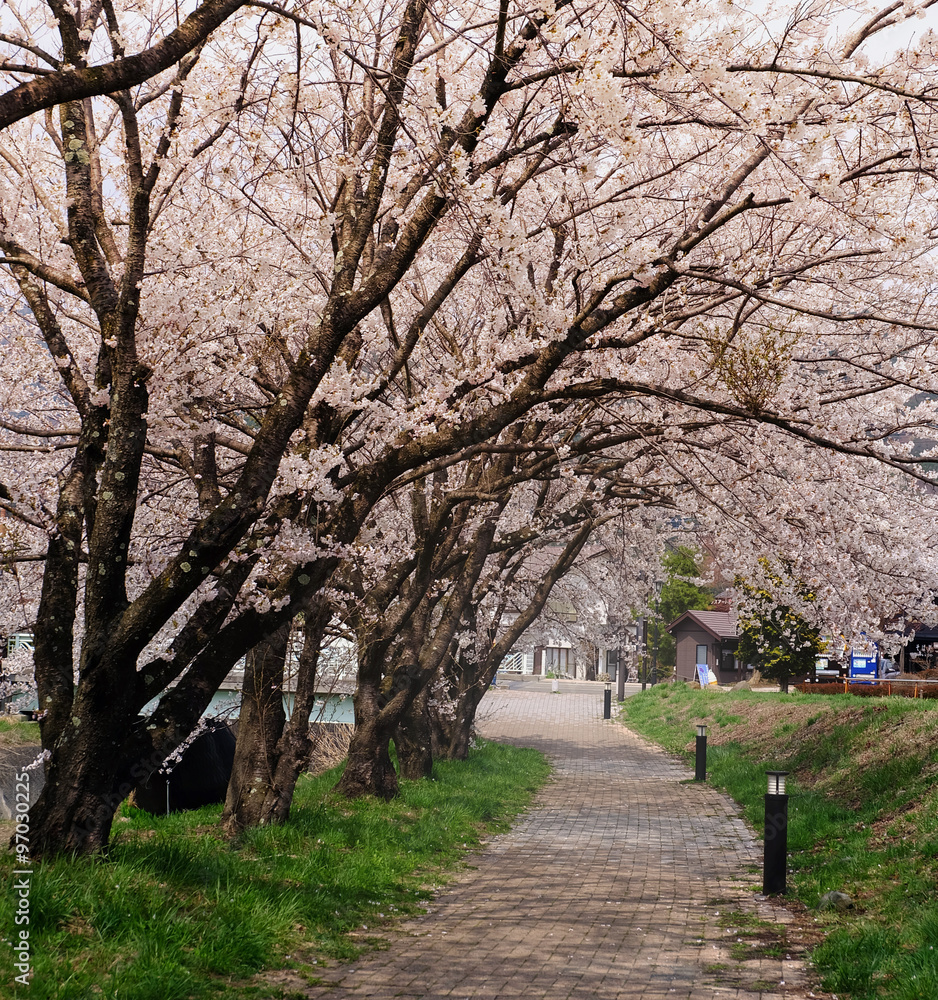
(69, 84)
(94, 768)
(75, 815)
(459, 738)
(260, 728)
(453, 723)
(271, 801)
(369, 770)
(413, 741)
(54, 632)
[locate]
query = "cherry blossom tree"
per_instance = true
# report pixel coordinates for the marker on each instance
(320, 256)
(411, 642)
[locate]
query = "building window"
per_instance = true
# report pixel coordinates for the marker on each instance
(701, 654)
(556, 659)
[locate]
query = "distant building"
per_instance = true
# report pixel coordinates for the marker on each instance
(708, 637)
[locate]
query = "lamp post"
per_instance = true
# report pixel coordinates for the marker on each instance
(644, 654)
(654, 655)
(700, 770)
(607, 701)
(775, 857)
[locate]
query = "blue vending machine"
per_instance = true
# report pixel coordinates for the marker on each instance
(864, 664)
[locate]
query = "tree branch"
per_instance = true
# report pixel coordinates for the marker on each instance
(92, 81)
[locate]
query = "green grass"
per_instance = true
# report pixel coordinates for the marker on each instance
(863, 817)
(13, 731)
(177, 912)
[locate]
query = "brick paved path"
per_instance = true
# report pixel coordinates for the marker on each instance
(622, 883)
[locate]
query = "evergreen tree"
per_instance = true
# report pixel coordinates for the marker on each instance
(776, 638)
(680, 593)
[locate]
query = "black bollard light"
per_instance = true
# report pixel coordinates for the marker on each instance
(776, 835)
(607, 701)
(700, 771)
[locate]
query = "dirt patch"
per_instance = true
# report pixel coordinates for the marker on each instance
(789, 729)
(768, 723)
(764, 724)
(750, 947)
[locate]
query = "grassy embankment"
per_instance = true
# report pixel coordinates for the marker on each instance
(177, 912)
(14, 733)
(863, 816)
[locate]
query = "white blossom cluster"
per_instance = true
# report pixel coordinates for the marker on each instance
(690, 251)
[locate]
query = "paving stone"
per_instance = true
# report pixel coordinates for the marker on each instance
(610, 888)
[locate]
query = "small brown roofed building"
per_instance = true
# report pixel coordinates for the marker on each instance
(707, 637)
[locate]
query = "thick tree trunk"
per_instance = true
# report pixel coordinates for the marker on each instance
(453, 721)
(369, 770)
(381, 704)
(452, 736)
(260, 728)
(92, 771)
(461, 740)
(271, 801)
(77, 818)
(413, 740)
(54, 634)
(293, 756)
(75, 815)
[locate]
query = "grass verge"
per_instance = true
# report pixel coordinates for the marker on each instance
(863, 816)
(13, 731)
(176, 912)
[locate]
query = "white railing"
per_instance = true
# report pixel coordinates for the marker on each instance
(512, 664)
(19, 640)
